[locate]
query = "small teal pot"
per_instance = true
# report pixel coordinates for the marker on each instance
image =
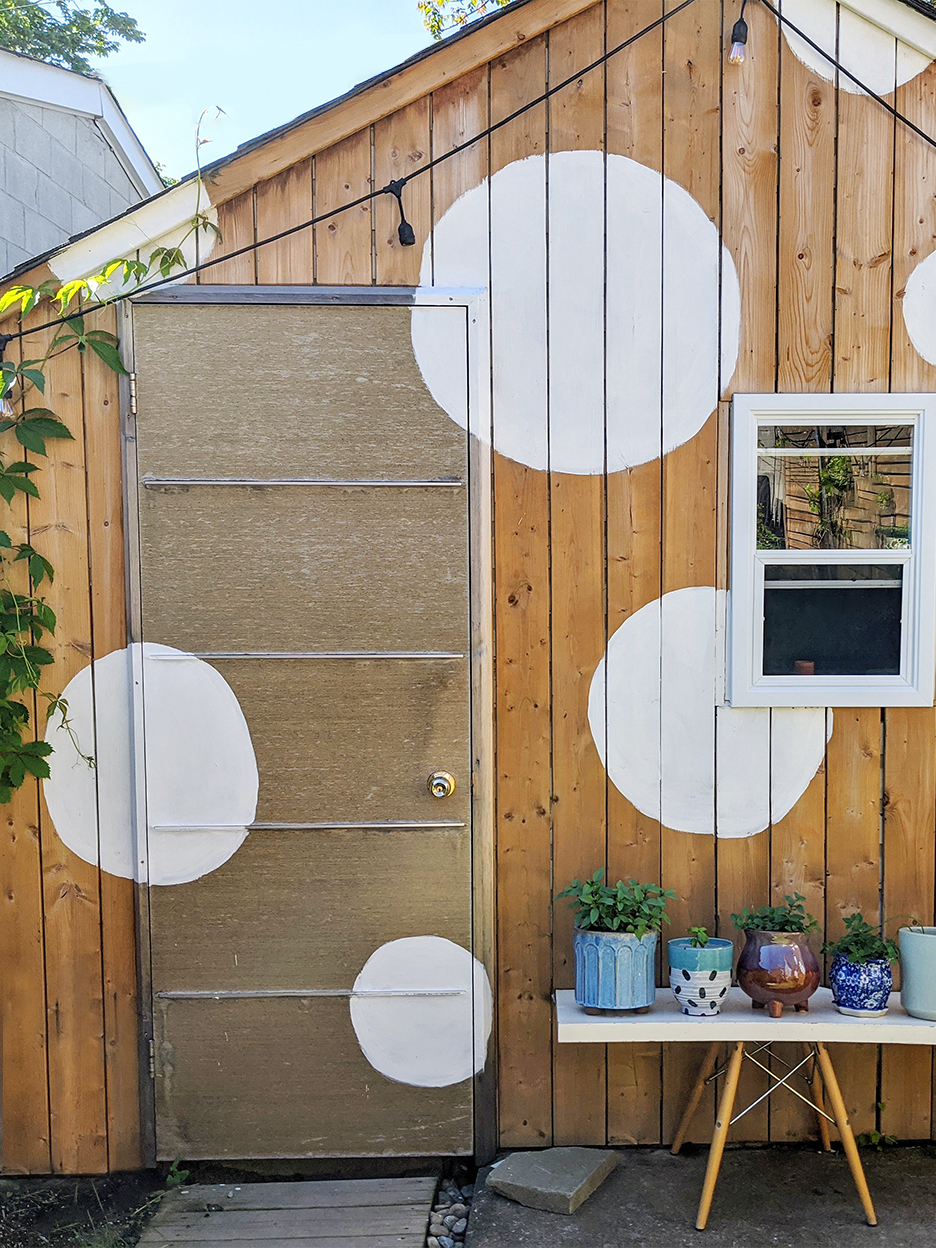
(700, 978)
(614, 970)
(861, 988)
(918, 971)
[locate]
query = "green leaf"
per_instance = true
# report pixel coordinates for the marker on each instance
(36, 766)
(28, 437)
(110, 355)
(35, 376)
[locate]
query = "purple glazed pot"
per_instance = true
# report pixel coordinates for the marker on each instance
(777, 969)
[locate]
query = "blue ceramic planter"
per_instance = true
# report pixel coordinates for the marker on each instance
(700, 978)
(614, 970)
(861, 988)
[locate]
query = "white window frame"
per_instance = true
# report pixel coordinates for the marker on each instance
(914, 686)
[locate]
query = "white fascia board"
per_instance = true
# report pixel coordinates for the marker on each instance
(162, 220)
(50, 86)
(906, 24)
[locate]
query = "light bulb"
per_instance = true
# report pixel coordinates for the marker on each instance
(6, 408)
(738, 42)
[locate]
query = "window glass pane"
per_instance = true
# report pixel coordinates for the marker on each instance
(835, 437)
(832, 619)
(833, 502)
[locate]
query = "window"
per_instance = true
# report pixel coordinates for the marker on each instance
(832, 550)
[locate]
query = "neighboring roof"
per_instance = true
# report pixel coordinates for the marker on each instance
(50, 86)
(269, 154)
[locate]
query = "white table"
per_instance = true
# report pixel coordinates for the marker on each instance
(738, 1025)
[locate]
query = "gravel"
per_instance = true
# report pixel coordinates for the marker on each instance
(448, 1222)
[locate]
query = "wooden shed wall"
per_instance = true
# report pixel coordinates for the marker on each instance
(825, 204)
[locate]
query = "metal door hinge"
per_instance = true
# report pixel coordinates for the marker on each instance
(152, 1058)
(133, 405)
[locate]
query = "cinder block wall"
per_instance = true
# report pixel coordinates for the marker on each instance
(58, 177)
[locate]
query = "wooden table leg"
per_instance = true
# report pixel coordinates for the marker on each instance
(708, 1065)
(815, 1089)
(722, 1123)
(845, 1131)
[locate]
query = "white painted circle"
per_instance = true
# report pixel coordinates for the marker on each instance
(875, 57)
(200, 766)
(425, 1041)
(667, 742)
(919, 308)
(549, 355)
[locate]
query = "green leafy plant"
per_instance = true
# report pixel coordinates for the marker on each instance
(63, 33)
(789, 918)
(874, 1139)
(700, 937)
(827, 502)
(861, 942)
(176, 1176)
(441, 15)
(631, 907)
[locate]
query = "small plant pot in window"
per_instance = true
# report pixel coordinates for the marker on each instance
(860, 975)
(700, 972)
(614, 942)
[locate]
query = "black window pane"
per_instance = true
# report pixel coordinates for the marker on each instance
(828, 620)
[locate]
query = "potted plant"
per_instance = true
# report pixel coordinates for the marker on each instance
(777, 966)
(700, 971)
(918, 970)
(860, 975)
(614, 940)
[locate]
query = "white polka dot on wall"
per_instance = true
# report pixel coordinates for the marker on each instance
(427, 1041)
(667, 742)
(201, 771)
(919, 308)
(872, 54)
(549, 356)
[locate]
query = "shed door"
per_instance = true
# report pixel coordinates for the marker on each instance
(303, 521)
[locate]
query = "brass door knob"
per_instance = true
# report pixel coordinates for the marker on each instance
(441, 784)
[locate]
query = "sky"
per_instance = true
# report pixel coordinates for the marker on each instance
(262, 61)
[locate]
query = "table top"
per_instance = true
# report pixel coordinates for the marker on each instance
(738, 1021)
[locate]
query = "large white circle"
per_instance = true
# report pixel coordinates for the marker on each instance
(559, 364)
(664, 742)
(872, 55)
(425, 1041)
(919, 307)
(200, 768)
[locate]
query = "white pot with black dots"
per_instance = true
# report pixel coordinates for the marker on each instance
(700, 975)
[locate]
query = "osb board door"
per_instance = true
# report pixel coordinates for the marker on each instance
(303, 607)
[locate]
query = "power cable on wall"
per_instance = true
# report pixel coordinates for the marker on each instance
(395, 187)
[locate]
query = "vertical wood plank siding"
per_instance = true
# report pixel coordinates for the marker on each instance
(826, 206)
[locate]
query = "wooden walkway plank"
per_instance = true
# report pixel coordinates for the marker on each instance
(321, 1194)
(369, 1213)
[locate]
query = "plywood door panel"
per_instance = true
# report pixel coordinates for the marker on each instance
(279, 1077)
(336, 874)
(397, 581)
(340, 740)
(341, 394)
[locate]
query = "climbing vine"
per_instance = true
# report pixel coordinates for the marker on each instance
(27, 622)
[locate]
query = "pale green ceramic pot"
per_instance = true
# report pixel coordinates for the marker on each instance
(918, 971)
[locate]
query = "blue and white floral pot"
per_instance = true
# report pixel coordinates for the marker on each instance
(700, 977)
(861, 988)
(614, 970)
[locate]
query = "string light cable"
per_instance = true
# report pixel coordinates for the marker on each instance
(395, 187)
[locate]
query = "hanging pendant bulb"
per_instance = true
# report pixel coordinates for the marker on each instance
(738, 42)
(7, 411)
